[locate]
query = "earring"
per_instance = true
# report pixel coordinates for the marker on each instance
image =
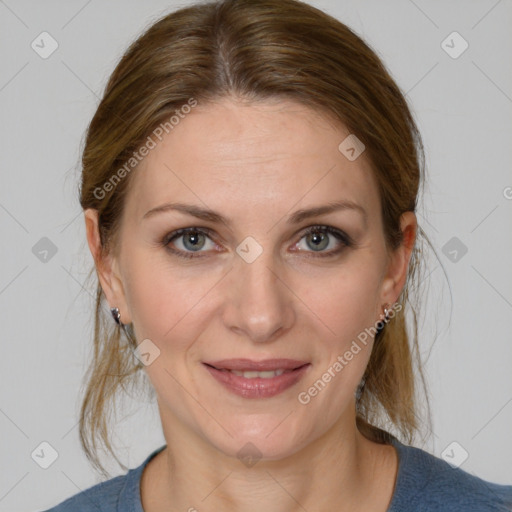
(116, 315)
(382, 323)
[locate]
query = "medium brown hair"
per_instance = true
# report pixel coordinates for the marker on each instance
(255, 50)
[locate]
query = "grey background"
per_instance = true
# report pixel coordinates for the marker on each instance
(463, 107)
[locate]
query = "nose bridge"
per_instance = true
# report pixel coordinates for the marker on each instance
(261, 303)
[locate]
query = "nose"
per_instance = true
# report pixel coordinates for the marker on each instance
(259, 305)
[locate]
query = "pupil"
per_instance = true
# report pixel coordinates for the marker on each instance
(195, 239)
(317, 239)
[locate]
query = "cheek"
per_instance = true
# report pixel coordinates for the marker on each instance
(165, 300)
(344, 300)
(346, 305)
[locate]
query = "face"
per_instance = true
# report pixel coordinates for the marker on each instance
(255, 285)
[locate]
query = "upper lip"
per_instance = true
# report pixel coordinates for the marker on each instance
(250, 365)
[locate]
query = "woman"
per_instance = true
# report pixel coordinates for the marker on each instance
(250, 180)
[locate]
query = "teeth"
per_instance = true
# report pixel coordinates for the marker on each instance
(261, 375)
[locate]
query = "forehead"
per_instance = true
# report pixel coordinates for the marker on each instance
(242, 159)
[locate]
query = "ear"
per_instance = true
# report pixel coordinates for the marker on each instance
(106, 267)
(398, 261)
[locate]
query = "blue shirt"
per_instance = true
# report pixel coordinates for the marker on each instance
(424, 483)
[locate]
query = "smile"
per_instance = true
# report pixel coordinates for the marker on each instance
(257, 384)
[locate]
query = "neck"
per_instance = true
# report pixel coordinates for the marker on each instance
(340, 470)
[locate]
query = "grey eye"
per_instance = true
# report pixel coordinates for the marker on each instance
(318, 241)
(193, 240)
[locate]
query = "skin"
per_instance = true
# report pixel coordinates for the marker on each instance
(256, 164)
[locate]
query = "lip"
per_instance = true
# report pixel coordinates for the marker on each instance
(258, 366)
(257, 387)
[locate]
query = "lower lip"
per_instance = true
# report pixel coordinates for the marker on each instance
(258, 387)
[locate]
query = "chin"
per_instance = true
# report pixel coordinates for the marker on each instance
(268, 439)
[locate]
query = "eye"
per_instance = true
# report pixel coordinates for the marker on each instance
(318, 238)
(188, 241)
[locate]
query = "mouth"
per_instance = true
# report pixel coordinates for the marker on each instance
(247, 365)
(251, 383)
(255, 374)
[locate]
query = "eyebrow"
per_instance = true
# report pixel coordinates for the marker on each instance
(297, 217)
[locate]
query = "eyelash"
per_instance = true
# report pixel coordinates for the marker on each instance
(339, 235)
